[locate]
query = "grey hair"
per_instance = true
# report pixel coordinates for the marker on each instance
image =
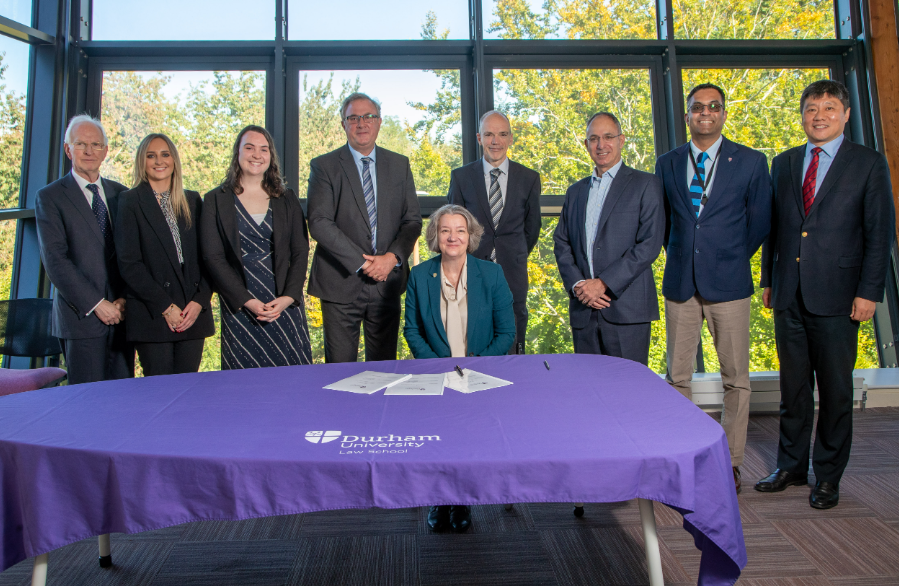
(80, 119)
(475, 230)
(491, 113)
(352, 98)
(608, 115)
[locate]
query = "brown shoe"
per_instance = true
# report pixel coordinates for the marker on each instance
(738, 480)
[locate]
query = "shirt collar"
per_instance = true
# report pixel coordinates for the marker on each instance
(357, 156)
(611, 172)
(830, 148)
(504, 166)
(712, 151)
(83, 183)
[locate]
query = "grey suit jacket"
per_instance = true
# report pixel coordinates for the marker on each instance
(519, 225)
(72, 249)
(628, 240)
(338, 221)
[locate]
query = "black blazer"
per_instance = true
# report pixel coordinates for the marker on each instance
(338, 220)
(841, 250)
(75, 257)
(519, 225)
(220, 244)
(148, 262)
(628, 240)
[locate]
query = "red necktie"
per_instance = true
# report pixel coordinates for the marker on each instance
(811, 177)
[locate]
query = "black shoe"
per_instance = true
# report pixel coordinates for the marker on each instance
(825, 495)
(439, 518)
(780, 480)
(460, 518)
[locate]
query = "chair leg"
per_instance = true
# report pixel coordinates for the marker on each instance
(579, 510)
(39, 573)
(508, 507)
(105, 553)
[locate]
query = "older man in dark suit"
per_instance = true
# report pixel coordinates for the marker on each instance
(718, 203)
(504, 197)
(609, 234)
(75, 216)
(824, 267)
(364, 215)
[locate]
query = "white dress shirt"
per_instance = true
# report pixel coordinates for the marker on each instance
(712, 152)
(503, 178)
(83, 183)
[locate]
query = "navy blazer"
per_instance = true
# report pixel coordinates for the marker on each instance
(841, 250)
(519, 226)
(628, 240)
(74, 254)
(711, 254)
(491, 321)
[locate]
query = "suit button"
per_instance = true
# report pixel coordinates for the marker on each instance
(797, 259)
(166, 284)
(697, 251)
(804, 234)
(697, 226)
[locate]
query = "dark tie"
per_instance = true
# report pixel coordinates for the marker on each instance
(368, 189)
(102, 215)
(698, 182)
(811, 178)
(496, 203)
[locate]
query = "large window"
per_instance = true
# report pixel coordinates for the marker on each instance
(17, 10)
(754, 19)
(366, 20)
(569, 19)
(177, 20)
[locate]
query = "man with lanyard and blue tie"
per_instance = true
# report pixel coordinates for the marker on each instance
(74, 218)
(718, 207)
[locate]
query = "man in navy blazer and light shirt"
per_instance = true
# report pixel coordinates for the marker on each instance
(718, 204)
(824, 266)
(365, 217)
(609, 233)
(75, 216)
(504, 196)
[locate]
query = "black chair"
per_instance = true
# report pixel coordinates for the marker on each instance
(25, 331)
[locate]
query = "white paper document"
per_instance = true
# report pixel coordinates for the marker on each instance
(418, 384)
(472, 381)
(368, 382)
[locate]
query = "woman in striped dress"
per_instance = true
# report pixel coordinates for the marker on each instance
(256, 250)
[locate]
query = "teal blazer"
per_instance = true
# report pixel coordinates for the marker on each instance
(491, 321)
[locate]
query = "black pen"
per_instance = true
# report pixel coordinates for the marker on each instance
(459, 370)
(546, 364)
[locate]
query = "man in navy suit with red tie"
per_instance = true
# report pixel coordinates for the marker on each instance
(718, 204)
(824, 266)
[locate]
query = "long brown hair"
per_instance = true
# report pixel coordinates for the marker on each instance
(272, 181)
(179, 201)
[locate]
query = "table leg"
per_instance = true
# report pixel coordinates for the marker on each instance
(651, 543)
(105, 553)
(39, 573)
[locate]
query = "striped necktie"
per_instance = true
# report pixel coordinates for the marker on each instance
(698, 182)
(811, 179)
(368, 189)
(496, 203)
(98, 206)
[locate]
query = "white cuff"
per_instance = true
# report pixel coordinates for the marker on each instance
(95, 307)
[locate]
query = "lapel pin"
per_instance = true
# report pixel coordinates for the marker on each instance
(729, 159)
(434, 275)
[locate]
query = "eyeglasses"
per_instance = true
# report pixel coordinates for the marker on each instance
(714, 107)
(82, 146)
(367, 118)
(593, 140)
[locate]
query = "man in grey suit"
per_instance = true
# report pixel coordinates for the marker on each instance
(504, 196)
(74, 217)
(364, 215)
(609, 233)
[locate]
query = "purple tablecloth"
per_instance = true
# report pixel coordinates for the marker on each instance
(131, 456)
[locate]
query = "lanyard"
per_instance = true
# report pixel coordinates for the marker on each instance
(708, 174)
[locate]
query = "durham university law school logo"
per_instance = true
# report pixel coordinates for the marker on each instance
(322, 436)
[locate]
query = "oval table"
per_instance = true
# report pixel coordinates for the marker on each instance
(142, 454)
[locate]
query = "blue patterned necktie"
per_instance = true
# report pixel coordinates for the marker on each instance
(102, 215)
(368, 189)
(698, 182)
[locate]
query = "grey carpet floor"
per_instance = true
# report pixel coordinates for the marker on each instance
(788, 542)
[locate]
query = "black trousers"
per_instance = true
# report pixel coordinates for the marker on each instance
(379, 318)
(170, 357)
(521, 325)
(90, 360)
(814, 347)
(630, 341)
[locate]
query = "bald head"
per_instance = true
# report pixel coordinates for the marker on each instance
(495, 137)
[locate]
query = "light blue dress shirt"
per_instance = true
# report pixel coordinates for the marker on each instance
(825, 159)
(599, 189)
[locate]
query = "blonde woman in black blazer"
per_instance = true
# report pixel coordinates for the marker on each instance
(256, 250)
(156, 238)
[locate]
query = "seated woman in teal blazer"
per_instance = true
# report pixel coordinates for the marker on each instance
(457, 305)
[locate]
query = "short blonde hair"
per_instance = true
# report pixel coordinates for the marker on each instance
(475, 230)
